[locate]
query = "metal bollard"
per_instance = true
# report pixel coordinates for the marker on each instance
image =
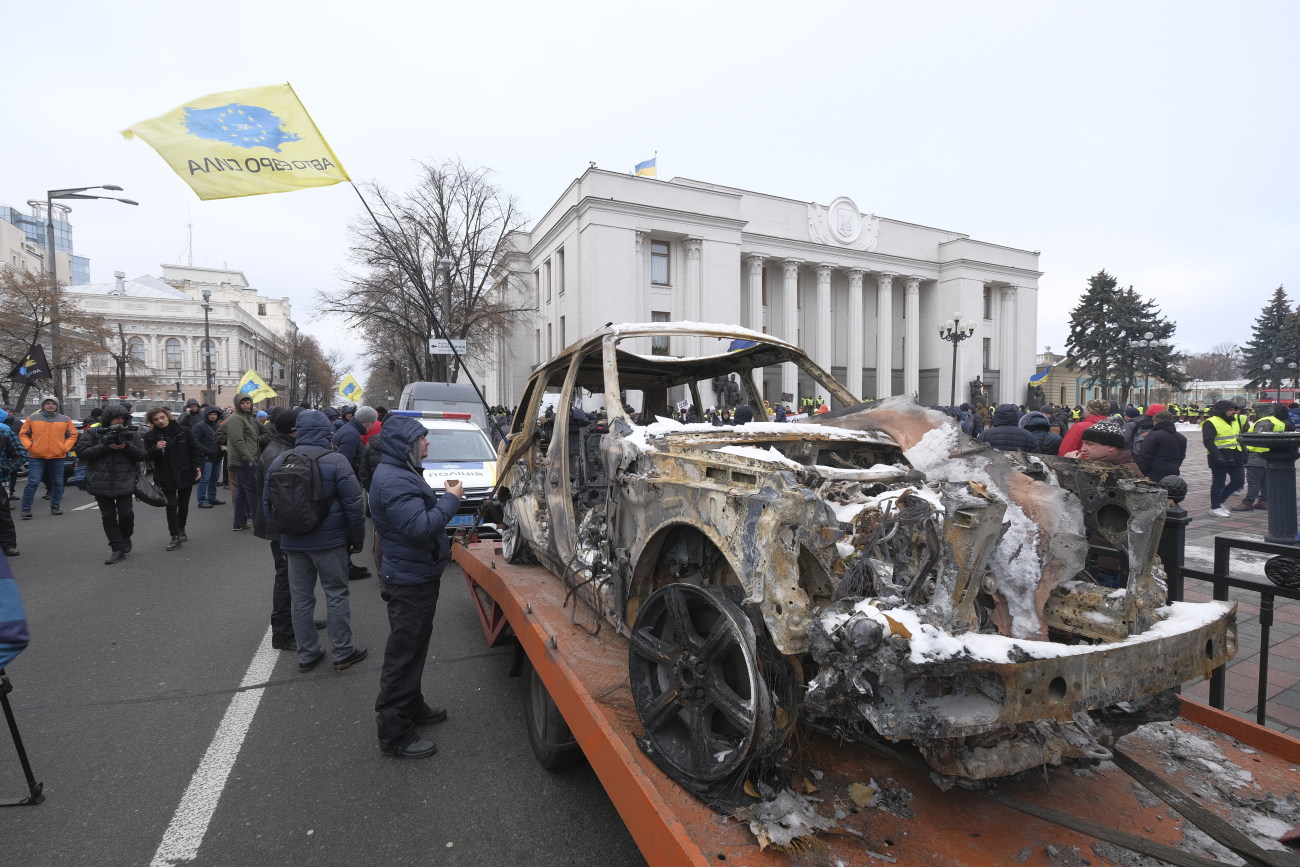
(1173, 539)
(1279, 480)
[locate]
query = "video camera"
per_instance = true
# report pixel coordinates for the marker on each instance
(113, 435)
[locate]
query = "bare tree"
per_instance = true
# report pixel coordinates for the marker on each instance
(1222, 362)
(455, 213)
(28, 301)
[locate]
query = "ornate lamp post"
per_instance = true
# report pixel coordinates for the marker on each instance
(50, 196)
(955, 332)
(1282, 366)
(207, 349)
(1146, 346)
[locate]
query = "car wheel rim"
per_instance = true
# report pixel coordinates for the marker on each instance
(695, 681)
(509, 532)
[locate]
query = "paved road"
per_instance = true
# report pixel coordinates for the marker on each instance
(133, 667)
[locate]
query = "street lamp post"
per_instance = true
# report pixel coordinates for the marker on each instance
(1146, 345)
(954, 332)
(207, 348)
(50, 196)
(1282, 366)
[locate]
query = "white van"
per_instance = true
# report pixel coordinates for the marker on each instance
(445, 397)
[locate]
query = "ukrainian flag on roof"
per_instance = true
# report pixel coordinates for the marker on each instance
(647, 168)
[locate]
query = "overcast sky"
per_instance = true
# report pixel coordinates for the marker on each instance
(1155, 140)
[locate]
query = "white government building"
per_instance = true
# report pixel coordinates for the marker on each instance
(860, 293)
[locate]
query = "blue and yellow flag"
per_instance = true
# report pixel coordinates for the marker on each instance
(1038, 378)
(350, 389)
(243, 143)
(647, 168)
(255, 387)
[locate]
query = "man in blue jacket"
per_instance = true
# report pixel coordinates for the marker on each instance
(324, 551)
(411, 521)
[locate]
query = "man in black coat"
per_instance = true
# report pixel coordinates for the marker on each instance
(1006, 434)
(193, 414)
(111, 459)
(282, 440)
(204, 432)
(1161, 452)
(177, 465)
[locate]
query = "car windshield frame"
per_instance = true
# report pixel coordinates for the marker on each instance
(458, 445)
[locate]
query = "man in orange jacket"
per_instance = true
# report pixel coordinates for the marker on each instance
(48, 436)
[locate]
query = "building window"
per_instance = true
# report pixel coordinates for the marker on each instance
(550, 341)
(659, 271)
(537, 346)
(546, 278)
(137, 349)
(988, 304)
(537, 281)
(173, 354)
(562, 341)
(988, 351)
(208, 346)
(559, 273)
(659, 345)
(261, 309)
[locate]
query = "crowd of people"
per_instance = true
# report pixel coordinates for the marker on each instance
(298, 479)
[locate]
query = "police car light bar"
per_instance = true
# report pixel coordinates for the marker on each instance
(429, 413)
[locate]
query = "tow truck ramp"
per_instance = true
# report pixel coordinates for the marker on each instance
(1205, 790)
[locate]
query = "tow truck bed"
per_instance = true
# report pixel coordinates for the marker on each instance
(586, 676)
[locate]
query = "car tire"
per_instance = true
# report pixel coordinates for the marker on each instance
(553, 743)
(513, 546)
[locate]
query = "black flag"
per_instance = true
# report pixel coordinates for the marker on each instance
(32, 368)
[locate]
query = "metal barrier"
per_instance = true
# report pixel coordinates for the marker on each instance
(1283, 570)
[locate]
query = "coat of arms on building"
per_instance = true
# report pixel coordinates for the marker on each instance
(841, 224)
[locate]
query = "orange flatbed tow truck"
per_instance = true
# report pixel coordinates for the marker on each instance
(1146, 800)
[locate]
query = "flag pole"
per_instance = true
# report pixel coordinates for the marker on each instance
(415, 277)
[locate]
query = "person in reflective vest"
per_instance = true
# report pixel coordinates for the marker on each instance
(1224, 454)
(1273, 418)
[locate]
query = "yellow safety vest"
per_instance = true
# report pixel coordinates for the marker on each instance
(1225, 433)
(1272, 426)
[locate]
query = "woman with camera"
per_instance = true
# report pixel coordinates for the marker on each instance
(177, 465)
(111, 452)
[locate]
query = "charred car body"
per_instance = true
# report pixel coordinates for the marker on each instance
(872, 571)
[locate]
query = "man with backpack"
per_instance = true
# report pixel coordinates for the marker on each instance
(12, 457)
(313, 505)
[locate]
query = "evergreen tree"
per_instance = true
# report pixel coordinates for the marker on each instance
(1275, 334)
(1104, 329)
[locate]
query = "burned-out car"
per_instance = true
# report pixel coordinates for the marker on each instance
(870, 570)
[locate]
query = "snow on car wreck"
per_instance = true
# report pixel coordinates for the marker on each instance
(871, 571)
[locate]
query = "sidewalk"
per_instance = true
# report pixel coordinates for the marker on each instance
(1283, 705)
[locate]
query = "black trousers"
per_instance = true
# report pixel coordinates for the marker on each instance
(281, 601)
(410, 622)
(178, 509)
(8, 533)
(118, 515)
(243, 481)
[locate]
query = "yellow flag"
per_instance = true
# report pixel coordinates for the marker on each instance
(350, 389)
(243, 143)
(255, 387)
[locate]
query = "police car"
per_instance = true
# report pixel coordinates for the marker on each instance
(458, 449)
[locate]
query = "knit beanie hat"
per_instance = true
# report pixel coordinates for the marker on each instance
(1105, 432)
(1131, 412)
(1098, 407)
(1155, 408)
(287, 419)
(366, 415)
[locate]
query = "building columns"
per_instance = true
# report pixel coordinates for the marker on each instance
(857, 339)
(790, 306)
(823, 312)
(641, 278)
(912, 337)
(755, 307)
(884, 335)
(1008, 376)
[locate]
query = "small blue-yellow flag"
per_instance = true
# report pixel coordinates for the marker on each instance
(350, 389)
(647, 168)
(255, 387)
(243, 143)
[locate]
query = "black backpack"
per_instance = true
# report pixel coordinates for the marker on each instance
(1139, 441)
(298, 501)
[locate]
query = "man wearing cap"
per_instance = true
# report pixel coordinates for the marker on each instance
(204, 432)
(1224, 454)
(411, 522)
(48, 436)
(193, 414)
(1095, 412)
(1273, 418)
(243, 438)
(1103, 441)
(283, 439)
(347, 442)
(12, 455)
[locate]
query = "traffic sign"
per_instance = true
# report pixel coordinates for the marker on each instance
(438, 346)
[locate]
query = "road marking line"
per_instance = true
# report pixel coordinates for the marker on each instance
(189, 823)
(87, 506)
